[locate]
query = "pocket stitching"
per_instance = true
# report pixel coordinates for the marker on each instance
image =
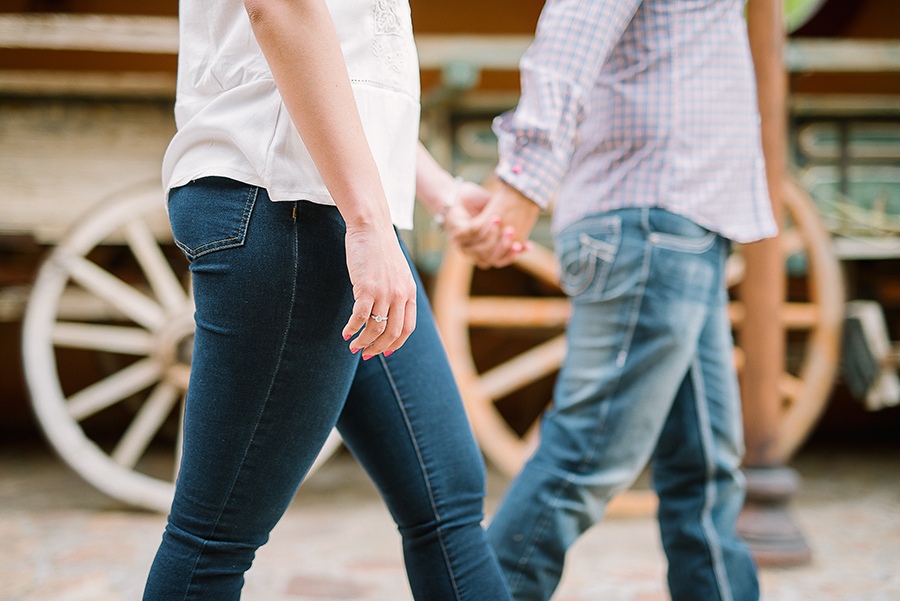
(683, 243)
(222, 244)
(592, 251)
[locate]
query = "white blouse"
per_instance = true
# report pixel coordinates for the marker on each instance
(232, 122)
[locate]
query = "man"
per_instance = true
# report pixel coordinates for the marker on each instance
(640, 118)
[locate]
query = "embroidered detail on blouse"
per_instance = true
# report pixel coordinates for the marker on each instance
(388, 43)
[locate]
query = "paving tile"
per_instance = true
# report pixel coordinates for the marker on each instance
(64, 541)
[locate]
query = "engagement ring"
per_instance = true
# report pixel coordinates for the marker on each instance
(379, 318)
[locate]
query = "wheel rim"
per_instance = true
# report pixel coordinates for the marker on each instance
(457, 310)
(145, 324)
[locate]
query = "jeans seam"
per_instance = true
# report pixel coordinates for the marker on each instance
(626, 344)
(549, 511)
(224, 243)
(262, 409)
(415, 443)
(709, 531)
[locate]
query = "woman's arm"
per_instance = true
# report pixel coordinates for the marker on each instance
(301, 46)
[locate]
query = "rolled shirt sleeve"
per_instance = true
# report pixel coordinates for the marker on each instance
(573, 41)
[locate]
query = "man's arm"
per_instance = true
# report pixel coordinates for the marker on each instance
(573, 41)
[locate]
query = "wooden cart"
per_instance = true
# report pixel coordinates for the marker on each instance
(113, 294)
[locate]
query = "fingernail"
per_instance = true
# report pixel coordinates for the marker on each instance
(388, 354)
(347, 337)
(366, 357)
(496, 220)
(354, 350)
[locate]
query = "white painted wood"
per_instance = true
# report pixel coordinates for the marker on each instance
(142, 85)
(105, 285)
(101, 33)
(501, 52)
(59, 159)
(114, 388)
(841, 55)
(101, 337)
(156, 267)
(145, 425)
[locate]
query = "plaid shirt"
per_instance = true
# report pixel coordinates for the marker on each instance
(636, 103)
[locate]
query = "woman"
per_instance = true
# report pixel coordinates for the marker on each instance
(285, 182)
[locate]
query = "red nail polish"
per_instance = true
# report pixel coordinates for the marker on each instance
(366, 357)
(388, 354)
(354, 350)
(347, 337)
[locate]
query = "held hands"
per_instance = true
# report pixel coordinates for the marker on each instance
(493, 232)
(383, 287)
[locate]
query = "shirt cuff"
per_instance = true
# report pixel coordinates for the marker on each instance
(528, 166)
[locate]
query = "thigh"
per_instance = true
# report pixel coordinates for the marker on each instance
(270, 368)
(405, 422)
(702, 440)
(637, 315)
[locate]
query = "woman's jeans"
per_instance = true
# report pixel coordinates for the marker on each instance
(272, 375)
(649, 375)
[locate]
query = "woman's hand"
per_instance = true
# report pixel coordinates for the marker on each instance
(470, 201)
(383, 286)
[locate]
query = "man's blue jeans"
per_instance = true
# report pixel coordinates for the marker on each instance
(648, 376)
(269, 380)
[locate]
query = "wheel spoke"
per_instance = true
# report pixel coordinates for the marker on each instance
(115, 339)
(521, 370)
(123, 297)
(156, 267)
(794, 316)
(179, 375)
(145, 425)
(511, 312)
(114, 388)
(541, 263)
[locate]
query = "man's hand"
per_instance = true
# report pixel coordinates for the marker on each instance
(497, 235)
(470, 202)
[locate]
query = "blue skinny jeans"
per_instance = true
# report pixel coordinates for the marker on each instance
(272, 375)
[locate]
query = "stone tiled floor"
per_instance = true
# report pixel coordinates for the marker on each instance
(62, 541)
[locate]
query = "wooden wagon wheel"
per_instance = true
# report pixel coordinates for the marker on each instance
(110, 290)
(459, 310)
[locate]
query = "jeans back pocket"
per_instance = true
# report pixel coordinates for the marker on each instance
(586, 253)
(210, 214)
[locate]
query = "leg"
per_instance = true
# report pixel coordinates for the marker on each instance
(405, 423)
(697, 478)
(267, 380)
(640, 281)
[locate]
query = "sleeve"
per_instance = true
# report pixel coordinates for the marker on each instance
(574, 39)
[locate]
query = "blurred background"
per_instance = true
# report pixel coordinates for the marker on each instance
(95, 328)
